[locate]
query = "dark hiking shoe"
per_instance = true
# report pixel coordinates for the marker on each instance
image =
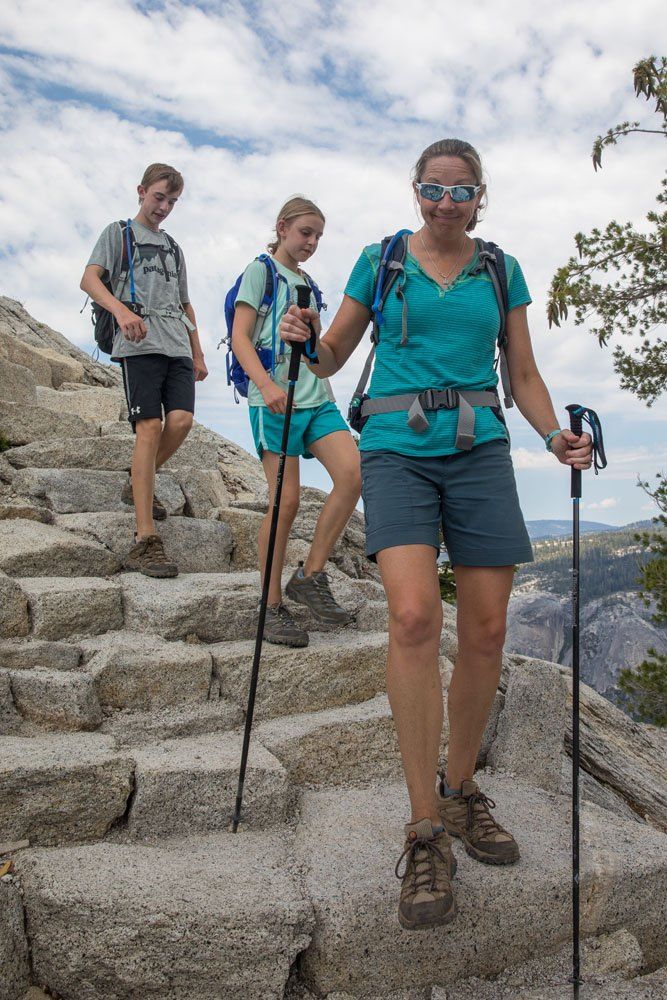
(280, 628)
(426, 898)
(159, 509)
(147, 556)
(467, 815)
(314, 591)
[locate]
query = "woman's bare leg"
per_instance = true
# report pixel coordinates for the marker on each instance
(413, 676)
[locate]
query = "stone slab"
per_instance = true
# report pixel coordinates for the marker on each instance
(530, 734)
(189, 786)
(215, 918)
(196, 545)
(138, 728)
(14, 958)
(61, 607)
(21, 425)
(211, 606)
(332, 670)
(33, 549)
(26, 654)
(91, 403)
(14, 620)
(131, 670)
(70, 491)
(57, 788)
(17, 383)
(349, 842)
(56, 699)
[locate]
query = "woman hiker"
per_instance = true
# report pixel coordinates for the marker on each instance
(317, 428)
(439, 332)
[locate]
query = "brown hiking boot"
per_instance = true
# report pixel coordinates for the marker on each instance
(467, 815)
(314, 591)
(127, 496)
(147, 556)
(426, 898)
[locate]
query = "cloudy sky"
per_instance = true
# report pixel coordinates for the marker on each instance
(256, 101)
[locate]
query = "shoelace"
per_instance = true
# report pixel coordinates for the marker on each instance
(425, 869)
(321, 581)
(155, 549)
(484, 818)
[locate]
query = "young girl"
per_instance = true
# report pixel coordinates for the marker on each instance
(317, 428)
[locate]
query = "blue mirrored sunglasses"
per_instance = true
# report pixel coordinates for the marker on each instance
(457, 192)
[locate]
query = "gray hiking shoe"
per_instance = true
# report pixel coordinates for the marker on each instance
(280, 628)
(314, 591)
(127, 496)
(426, 898)
(148, 557)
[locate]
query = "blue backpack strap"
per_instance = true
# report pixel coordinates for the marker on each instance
(319, 298)
(393, 251)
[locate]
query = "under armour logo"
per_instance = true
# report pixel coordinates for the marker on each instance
(135, 409)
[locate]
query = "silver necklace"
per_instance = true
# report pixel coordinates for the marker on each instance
(445, 277)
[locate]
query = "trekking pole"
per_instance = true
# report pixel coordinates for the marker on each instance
(577, 415)
(575, 493)
(303, 301)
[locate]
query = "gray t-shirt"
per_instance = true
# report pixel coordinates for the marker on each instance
(159, 287)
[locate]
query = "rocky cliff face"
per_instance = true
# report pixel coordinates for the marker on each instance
(615, 633)
(121, 706)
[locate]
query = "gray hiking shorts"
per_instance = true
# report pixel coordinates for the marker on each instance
(471, 495)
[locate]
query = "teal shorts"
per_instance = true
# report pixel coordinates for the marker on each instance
(307, 425)
(471, 496)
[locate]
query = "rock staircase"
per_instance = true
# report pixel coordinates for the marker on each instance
(122, 702)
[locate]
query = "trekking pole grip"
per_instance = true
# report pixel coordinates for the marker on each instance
(303, 302)
(575, 411)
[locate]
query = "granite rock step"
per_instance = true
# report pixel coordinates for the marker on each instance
(214, 607)
(142, 672)
(131, 728)
(350, 840)
(220, 917)
(73, 491)
(30, 548)
(188, 786)
(57, 788)
(333, 670)
(111, 452)
(65, 607)
(196, 545)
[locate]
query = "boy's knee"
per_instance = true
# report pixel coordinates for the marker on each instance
(179, 420)
(148, 430)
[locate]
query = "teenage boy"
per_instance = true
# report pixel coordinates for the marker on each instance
(156, 344)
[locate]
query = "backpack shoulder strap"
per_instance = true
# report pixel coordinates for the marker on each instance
(176, 250)
(125, 232)
(393, 251)
(492, 261)
(319, 298)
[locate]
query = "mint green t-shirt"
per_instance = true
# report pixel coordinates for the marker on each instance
(309, 390)
(452, 335)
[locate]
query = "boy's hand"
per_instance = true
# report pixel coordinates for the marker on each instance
(274, 397)
(131, 326)
(199, 365)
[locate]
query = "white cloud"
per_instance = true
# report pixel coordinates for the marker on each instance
(334, 100)
(605, 504)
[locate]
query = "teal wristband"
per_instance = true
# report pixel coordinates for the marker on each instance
(549, 438)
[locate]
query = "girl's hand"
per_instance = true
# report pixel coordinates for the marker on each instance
(274, 397)
(294, 324)
(572, 450)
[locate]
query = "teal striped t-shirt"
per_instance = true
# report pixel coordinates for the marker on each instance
(452, 335)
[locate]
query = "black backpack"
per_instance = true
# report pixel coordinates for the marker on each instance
(104, 324)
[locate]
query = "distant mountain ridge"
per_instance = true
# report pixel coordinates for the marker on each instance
(558, 529)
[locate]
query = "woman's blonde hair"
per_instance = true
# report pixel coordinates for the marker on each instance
(464, 151)
(163, 172)
(298, 205)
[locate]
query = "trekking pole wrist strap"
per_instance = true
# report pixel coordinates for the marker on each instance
(548, 438)
(417, 404)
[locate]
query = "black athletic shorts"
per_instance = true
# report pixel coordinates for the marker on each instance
(155, 383)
